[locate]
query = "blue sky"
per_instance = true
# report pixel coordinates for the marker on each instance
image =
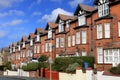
(21, 17)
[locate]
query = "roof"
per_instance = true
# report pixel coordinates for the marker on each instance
(51, 24)
(85, 8)
(65, 17)
(32, 35)
(24, 38)
(39, 30)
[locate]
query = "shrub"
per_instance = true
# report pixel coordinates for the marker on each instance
(2, 68)
(42, 58)
(115, 70)
(33, 66)
(42, 65)
(70, 60)
(8, 65)
(72, 67)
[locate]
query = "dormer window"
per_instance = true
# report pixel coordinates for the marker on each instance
(103, 8)
(23, 45)
(68, 23)
(50, 34)
(31, 42)
(81, 18)
(13, 49)
(61, 26)
(18, 47)
(38, 37)
(10, 50)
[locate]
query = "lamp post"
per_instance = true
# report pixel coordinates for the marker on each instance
(50, 61)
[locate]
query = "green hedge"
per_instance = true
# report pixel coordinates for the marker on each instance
(62, 63)
(115, 70)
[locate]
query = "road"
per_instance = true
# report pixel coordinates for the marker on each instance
(19, 78)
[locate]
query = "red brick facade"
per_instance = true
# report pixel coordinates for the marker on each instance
(88, 43)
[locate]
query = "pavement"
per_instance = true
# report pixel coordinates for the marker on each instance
(19, 78)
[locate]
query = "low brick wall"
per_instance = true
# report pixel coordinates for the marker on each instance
(34, 73)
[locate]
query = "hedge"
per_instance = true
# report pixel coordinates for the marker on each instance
(115, 70)
(62, 63)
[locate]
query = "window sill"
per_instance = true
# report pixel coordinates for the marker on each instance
(104, 17)
(82, 26)
(103, 38)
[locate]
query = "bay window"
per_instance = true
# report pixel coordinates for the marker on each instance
(43, 49)
(99, 31)
(35, 49)
(107, 30)
(78, 38)
(81, 20)
(50, 47)
(62, 42)
(38, 49)
(84, 38)
(84, 53)
(73, 40)
(100, 54)
(57, 42)
(69, 41)
(46, 47)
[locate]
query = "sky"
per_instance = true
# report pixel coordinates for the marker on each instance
(21, 17)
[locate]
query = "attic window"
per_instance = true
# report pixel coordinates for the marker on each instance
(68, 23)
(23, 45)
(61, 26)
(81, 20)
(31, 42)
(19, 47)
(50, 34)
(38, 37)
(103, 8)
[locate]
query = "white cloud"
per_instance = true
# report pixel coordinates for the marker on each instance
(35, 2)
(54, 14)
(36, 13)
(3, 33)
(74, 3)
(12, 12)
(8, 3)
(12, 23)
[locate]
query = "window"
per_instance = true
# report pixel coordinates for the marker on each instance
(46, 47)
(18, 47)
(99, 31)
(31, 42)
(67, 24)
(81, 20)
(13, 49)
(61, 26)
(10, 50)
(62, 44)
(23, 54)
(38, 49)
(57, 42)
(103, 9)
(49, 34)
(73, 40)
(100, 54)
(42, 48)
(119, 28)
(84, 38)
(38, 37)
(23, 44)
(69, 41)
(50, 47)
(84, 53)
(107, 30)
(78, 38)
(35, 49)
(108, 56)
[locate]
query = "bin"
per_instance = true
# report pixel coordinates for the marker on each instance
(85, 65)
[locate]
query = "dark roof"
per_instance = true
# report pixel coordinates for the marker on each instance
(64, 17)
(51, 24)
(39, 30)
(85, 8)
(31, 35)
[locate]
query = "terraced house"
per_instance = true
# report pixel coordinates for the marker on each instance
(91, 31)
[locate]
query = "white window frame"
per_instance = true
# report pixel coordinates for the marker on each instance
(50, 47)
(23, 45)
(84, 37)
(100, 55)
(31, 42)
(13, 49)
(18, 47)
(46, 47)
(73, 40)
(108, 56)
(107, 30)
(35, 49)
(38, 49)
(69, 41)
(84, 53)
(78, 37)
(119, 28)
(62, 42)
(68, 24)
(99, 31)
(50, 34)
(38, 37)
(61, 26)
(57, 42)
(81, 20)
